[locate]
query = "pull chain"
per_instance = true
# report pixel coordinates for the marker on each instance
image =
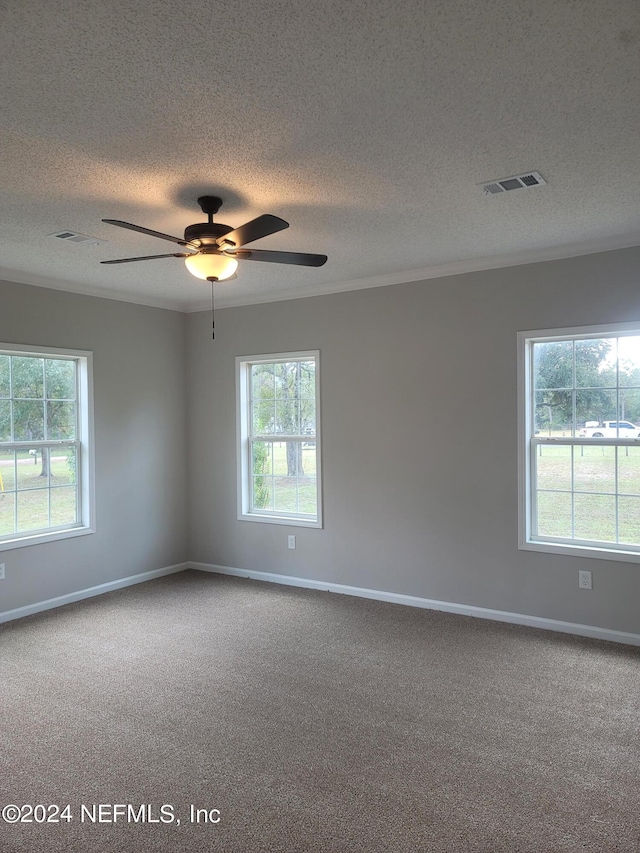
(213, 316)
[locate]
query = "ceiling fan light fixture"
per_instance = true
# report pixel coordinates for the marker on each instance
(217, 247)
(206, 265)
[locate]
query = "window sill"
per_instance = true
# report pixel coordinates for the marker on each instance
(42, 538)
(280, 519)
(593, 552)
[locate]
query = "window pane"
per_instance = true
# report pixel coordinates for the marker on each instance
(263, 417)
(596, 363)
(262, 470)
(62, 466)
(594, 469)
(594, 406)
(294, 481)
(5, 420)
(554, 413)
(554, 514)
(61, 420)
(294, 459)
(629, 406)
(64, 505)
(287, 417)
(309, 459)
(33, 509)
(288, 484)
(283, 476)
(629, 470)
(280, 459)
(629, 520)
(308, 378)
(286, 494)
(28, 420)
(28, 377)
(295, 494)
(307, 495)
(299, 460)
(261, 458)
(285, 380)
(553, 467)
(7, 513)
(595, 518)
(5, 361)
(32, 468)
(262, 494)
(629, 361)
(61, 379)
(553, 365)
(7, 470)
(262, 382)
(307, 417)
(283, 398)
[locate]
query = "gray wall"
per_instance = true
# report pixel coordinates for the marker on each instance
(419, 497)
(140, 440)
(419, 437)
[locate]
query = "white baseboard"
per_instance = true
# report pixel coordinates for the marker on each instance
(431, 604)
(60, 600)
(327, 586)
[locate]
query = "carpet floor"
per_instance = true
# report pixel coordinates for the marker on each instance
(307, 721)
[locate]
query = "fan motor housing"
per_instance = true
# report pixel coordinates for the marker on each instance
(206, 233)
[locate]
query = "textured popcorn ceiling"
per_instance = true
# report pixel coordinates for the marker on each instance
(365, 124)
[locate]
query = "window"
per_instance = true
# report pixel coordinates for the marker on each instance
(279, 439)
(580, 441)
(45, 452)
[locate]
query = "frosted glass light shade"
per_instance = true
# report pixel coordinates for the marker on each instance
(204, 265)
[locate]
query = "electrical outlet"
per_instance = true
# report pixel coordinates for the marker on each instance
(584, 580)
(1, 571)
(291, 543)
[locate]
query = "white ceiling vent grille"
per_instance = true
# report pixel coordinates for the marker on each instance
(515, 182)
(75, 237)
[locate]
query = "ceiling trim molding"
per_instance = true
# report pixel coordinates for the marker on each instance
(16, 277)
(441, 271)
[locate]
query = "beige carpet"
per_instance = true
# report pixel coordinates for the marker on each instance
(313, 722)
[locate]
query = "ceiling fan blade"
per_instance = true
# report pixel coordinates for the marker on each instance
(262, 226)
(302, 259)
(148, 258)
(151, 233)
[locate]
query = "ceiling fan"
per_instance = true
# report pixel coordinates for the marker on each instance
(215, 249)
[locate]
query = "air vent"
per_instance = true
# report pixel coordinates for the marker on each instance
(515, 182)
(75, 237)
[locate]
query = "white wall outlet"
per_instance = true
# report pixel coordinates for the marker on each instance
(1, 571)
(584, 580)
(291, 543)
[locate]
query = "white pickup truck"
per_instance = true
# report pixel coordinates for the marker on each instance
(610, 429)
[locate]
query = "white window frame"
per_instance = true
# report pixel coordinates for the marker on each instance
(245, 513)
(84, 444)
(528, 443)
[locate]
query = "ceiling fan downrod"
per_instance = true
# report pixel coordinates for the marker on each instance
(210, 204)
